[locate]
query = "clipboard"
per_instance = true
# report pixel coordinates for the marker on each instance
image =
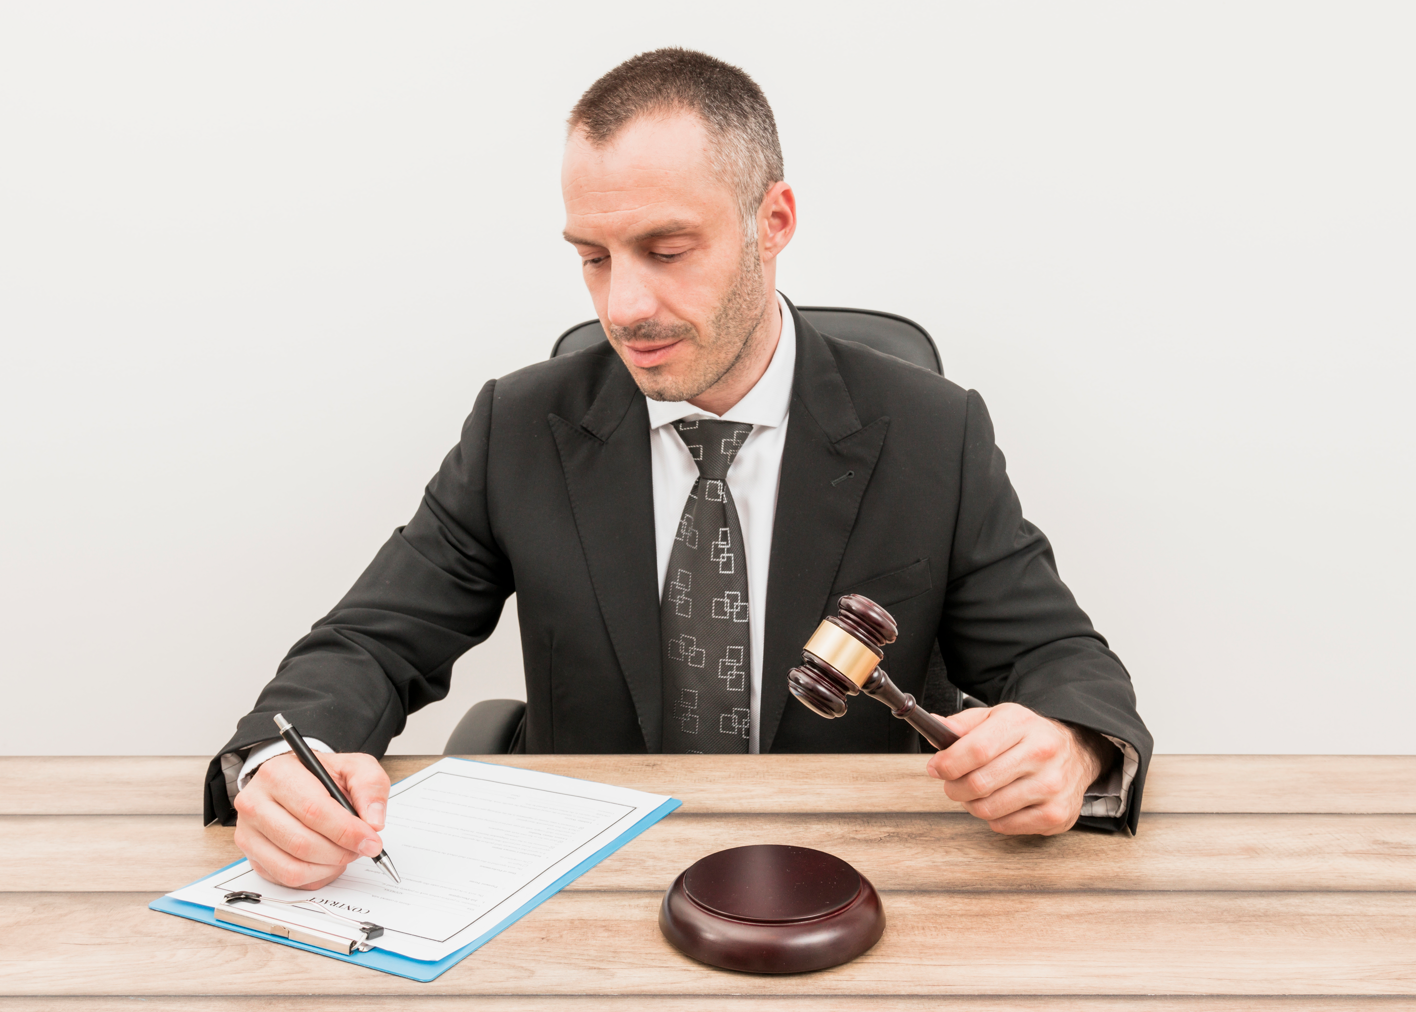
(266, 924)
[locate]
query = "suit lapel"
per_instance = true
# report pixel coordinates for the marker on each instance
(816, 511)
(608, 473)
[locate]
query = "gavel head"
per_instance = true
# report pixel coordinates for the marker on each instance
(842, 653)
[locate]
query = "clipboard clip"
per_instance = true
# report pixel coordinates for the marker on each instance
(356, 936)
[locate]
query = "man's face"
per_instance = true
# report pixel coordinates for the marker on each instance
(677, 289)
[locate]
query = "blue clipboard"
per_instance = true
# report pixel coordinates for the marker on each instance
(405, 966)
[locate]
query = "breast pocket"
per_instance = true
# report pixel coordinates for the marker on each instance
(890, 588)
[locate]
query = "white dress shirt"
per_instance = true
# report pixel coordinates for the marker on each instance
(752, 480)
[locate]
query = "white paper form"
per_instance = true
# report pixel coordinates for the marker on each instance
(473, 842)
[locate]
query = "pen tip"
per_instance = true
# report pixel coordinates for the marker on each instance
(386, 863)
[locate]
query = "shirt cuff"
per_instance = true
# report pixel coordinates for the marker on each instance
(1107, 798)
(239, 773)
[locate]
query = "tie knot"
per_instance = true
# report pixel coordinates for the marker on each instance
(713, 444)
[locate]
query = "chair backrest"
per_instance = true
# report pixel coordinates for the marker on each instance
(894, 335)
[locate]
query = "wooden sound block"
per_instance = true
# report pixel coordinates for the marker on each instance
(772, 909)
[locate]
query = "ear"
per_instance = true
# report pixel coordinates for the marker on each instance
(776, 220)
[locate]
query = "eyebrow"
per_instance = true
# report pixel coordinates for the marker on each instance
(668, 228)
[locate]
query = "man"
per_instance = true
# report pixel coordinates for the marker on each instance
(677, 510)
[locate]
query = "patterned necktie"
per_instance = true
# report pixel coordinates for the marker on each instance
(703, 618)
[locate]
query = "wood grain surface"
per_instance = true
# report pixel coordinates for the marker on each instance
(905, 851)
(704, 1003)
(172, 785)
(609, 942)
(1257, 882)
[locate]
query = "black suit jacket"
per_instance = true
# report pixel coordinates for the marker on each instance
(891, 486)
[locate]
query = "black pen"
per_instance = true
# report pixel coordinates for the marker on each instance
(308, 760)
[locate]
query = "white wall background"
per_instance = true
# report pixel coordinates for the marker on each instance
(257, 259)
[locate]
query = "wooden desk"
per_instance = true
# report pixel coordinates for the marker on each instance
(1255, 882)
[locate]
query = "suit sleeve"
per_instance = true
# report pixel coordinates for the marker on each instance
(434, 591)
(1011, 631)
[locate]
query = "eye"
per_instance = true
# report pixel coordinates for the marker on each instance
(666, 258)
(594, 261)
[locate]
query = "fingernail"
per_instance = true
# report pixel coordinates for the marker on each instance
(369, 848)
(376, 812)
(932, 772)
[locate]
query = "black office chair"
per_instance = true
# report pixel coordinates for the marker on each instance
(495, 726)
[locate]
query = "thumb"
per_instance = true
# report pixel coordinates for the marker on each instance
(964, 721)
(367, 785)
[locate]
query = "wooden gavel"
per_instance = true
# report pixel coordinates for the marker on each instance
(843, 657)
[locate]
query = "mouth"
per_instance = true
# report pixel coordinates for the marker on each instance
(646, 355)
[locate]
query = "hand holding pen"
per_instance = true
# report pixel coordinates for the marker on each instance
(296, 833)
(307, 759)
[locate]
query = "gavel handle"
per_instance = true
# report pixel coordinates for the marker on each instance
(903, 705)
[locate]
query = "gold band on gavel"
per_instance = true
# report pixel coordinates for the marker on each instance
(843, 652)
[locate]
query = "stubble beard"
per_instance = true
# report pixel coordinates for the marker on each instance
(730, 331)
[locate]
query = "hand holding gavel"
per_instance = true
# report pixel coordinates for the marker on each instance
(1019, 771)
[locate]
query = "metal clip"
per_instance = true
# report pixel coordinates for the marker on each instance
(367, 931)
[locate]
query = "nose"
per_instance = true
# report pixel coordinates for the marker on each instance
(632, 299)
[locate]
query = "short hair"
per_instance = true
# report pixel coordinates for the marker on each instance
(744, 150)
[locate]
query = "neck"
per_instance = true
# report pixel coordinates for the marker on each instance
(757, 354)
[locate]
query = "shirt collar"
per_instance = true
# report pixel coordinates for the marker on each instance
(765, 404)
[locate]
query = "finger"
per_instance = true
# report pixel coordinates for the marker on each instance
(366, 783)
(258, 811)
(959, 723)
(1004, 727)
(1013, 797)
(992, 776)
(276, 823)
(275, 865)
(999, 731)
(1046, 819)
(296, 790)
(966, 720)
(271, 877)
(988, 738)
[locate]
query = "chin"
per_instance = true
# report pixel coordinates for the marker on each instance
(676, 380)
(658, 391)
(657, 386)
